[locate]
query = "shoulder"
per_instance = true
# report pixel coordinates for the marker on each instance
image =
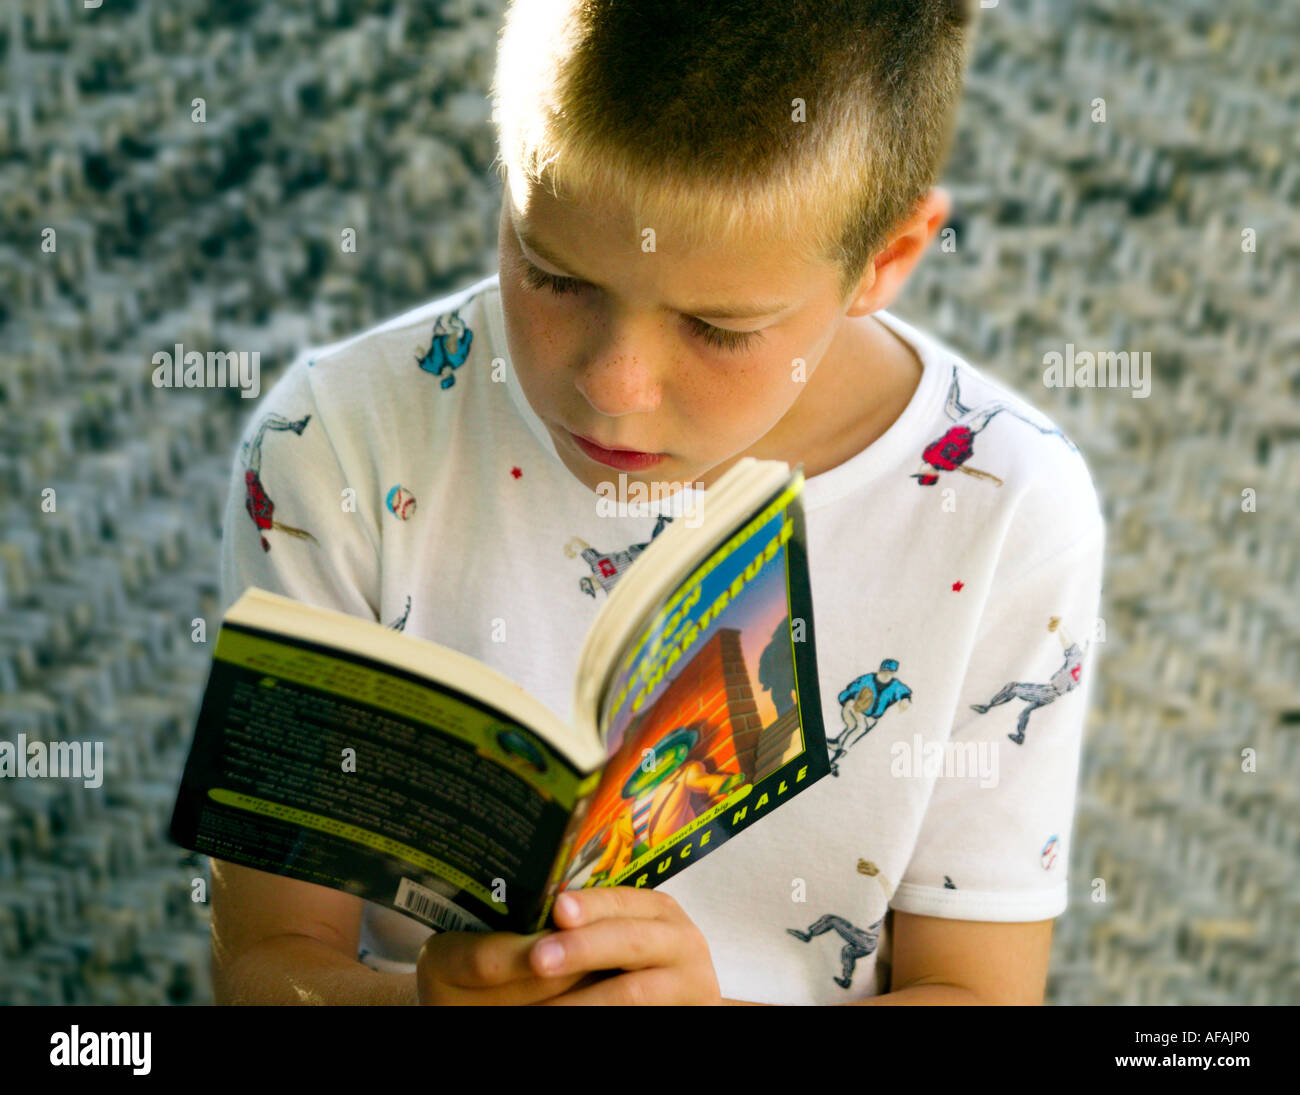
(1029, 478)
(402, 374)
(445, 316)
(1039, 454)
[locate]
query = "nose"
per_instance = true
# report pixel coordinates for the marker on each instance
(618, 379)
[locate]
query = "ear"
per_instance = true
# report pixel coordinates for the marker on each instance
(894, 262)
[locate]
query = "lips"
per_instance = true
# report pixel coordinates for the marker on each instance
(613, 448)
(620, 459)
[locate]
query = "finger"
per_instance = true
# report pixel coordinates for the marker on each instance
(559, 986)
(613, 944)
(575, 908)
(639, 988)
(474, 961)
(530, 990)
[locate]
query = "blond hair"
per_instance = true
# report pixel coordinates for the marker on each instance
(687, 113)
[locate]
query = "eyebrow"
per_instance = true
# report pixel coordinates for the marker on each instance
(752, 311)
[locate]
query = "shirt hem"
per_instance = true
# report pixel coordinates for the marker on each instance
(981, 905)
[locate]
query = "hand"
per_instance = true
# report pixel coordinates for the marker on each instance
(651, 950)
(467, 968)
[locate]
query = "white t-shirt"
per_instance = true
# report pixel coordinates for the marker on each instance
(939, 555)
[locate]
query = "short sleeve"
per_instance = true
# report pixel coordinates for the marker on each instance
(995, 845)
(292, 522)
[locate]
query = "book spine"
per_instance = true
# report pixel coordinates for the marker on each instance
(565, 855)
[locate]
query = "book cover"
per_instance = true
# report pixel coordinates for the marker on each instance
(713, 719)
(317, 763)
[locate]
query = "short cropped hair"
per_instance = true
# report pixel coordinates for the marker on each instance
(688, 113)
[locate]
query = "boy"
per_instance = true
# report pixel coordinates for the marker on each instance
(706, 209)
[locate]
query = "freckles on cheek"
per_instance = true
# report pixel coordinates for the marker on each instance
(549, 342)
(547, 351)
(535, 329)
(743, 395)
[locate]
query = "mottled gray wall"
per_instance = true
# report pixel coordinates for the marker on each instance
(1160, 227)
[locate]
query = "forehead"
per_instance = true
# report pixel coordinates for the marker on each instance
(745, 274)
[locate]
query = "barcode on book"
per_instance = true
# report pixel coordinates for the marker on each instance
(436, 909)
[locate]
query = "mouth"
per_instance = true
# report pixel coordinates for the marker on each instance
(624, 459)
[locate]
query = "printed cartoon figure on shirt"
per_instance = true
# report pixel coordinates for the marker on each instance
(1064, 680)
(400, 502)
(1047, 857)
(951, 451)
(858, 942)
(863, 703)
(606, 569)
(660, 798)
(448, 348)
(400, 623)
(258, 503)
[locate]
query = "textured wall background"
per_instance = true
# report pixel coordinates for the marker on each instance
(1169, 228)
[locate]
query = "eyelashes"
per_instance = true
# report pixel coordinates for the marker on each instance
(716, 336)
(721, 339)
(540, 279)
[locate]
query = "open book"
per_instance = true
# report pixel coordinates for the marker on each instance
(336, 751)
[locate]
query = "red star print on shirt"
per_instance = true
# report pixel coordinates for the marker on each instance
(516, 472)
(957, 586)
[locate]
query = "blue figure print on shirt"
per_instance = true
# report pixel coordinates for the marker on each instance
(448, 349)
(863, 702)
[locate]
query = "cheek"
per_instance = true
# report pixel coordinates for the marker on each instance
(750, 392)
(534, 330)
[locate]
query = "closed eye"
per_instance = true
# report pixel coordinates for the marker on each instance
(723, 339)
(535, 278)
(718, 337)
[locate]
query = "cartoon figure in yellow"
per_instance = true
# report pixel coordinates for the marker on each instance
(661, 799)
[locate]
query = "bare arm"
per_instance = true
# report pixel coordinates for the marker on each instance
(296, 969)
(279, 941)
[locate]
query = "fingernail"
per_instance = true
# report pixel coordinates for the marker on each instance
(567, 905)
(550, 954)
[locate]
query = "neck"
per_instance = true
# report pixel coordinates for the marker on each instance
(861, 385)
